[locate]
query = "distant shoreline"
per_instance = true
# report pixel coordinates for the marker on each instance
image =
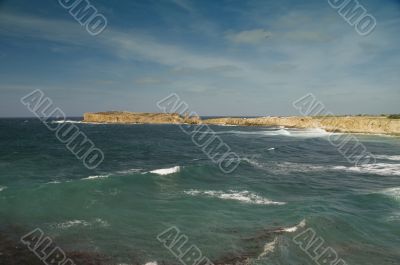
(344, 124)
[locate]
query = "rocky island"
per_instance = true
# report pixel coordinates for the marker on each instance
(346, 124)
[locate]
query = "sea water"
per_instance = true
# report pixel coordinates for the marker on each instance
(154, 177)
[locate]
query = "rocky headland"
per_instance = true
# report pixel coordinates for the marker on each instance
(346, 124)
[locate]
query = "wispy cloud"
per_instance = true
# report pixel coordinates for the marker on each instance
(253, 36)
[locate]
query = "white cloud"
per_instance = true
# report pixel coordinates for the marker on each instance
(253, 36)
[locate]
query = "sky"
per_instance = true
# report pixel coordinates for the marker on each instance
(222, 57)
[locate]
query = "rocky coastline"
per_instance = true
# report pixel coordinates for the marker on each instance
(344, 124)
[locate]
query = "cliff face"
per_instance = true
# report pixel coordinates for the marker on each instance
(136, 117)
(350, 124)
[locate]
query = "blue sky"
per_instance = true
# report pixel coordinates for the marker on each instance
(222, 57)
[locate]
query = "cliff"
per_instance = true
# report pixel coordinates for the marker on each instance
(349, 124)
(137, 117)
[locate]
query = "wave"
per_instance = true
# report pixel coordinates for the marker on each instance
(242, 196)
(166, 171)
(268, 248)
(151, 263)
(392, 192)
(388, 157)
(54, 182)
(66, 121)
(264, 133)
(382, 169)
(292, 229)
(3, 188)
(96, 177)
(129, 171)
(252, 162)
(81, 223)
(77, 122)
(302, 133)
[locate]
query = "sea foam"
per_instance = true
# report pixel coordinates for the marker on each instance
(392, 192)
(382, 169)
(242, 196)
(268, 248)
(66, 121)
(388, 157)
(301, 133)
(292, 229)
(81, 223)
(96, 177)
(166, 171)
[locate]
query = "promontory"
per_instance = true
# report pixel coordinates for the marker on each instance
(346, 124)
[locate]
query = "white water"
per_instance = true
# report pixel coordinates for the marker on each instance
(82, 223)
(242, 196)
(388, 157)
(166, 171)
(96, 177)
(302, 133)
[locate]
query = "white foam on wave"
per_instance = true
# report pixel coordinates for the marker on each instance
(392, 192)
(252, 162)
(129, 171)
(303, 133)
(264, 133)
(292, 229)
(72, 121)
(151, 263)
(3, 188)
(81, 223)
(66, 121)
(96, 177)
(388, 157)
(71, 223)
(166, 171)
(54, 182)
(268, 248)
(242, 196)
(382, 169)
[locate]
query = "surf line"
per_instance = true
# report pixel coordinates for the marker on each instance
(313, 246)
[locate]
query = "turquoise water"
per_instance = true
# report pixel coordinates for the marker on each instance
(286, 177)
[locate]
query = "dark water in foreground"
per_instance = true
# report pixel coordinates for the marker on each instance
(287, 177)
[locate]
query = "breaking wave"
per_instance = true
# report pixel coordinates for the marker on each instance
(382, 169)
(81, 223)
(166, 171)
(268, 248)
(304, 133)
(96, 177)
(388, 157)
(242, 196)
(66, 121)
(2, 188)
(292, 229)
(392, 192)
(128, 171)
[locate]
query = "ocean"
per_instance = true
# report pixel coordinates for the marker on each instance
(291, 185)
